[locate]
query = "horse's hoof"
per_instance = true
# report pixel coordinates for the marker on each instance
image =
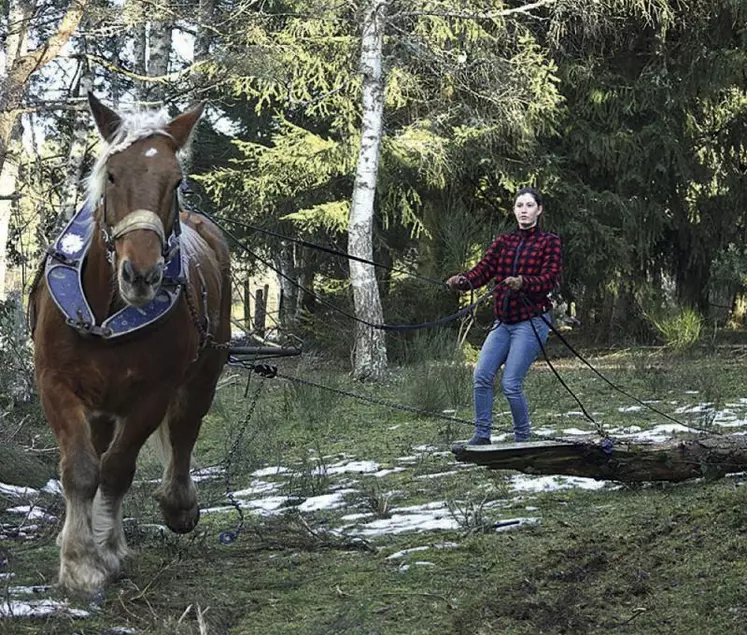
(86, 577)
(182, 521)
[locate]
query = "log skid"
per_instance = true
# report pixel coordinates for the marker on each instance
(615, 460)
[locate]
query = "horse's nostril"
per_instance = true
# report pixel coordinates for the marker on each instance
(155, 274)
(128, 272)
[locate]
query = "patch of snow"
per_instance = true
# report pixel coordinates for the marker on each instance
(32, 513)
(436, 475)
(271, 471)
(401, 554)
(357, 467)
(387, 471)
(38, 608)
(207, 473)
(630, 409)
(701, 407)
(425, 448)
(428, 517)
(18, 492)
(325, 501)
(257, 487)
(53, 486)
(526, 483)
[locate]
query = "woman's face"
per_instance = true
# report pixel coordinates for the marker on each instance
(527, 211)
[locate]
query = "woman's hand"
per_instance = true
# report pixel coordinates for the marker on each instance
(513, 282)
(457, 282)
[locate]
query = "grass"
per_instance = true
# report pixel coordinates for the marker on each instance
(659, 558)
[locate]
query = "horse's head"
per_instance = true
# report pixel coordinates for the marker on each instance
(136, 179)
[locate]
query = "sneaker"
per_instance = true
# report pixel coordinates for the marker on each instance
(478, 440)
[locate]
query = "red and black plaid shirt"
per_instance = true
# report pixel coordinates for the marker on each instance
(534, 255)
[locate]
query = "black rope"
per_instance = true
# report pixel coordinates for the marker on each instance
(330, 305)
(598, 426)
(598, 373)
(328, 250)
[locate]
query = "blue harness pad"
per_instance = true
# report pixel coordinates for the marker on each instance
(63, 273)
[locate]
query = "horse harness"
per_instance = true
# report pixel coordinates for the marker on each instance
(63, 273)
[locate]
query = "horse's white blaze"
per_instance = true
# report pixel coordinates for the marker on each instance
(150, 152)
(134, 127)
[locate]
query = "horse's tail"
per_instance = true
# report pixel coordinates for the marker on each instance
(161, 443)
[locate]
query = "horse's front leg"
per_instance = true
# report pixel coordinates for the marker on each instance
(81, 566)
(118, 465)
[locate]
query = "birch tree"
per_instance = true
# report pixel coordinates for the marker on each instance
(20, 64)
(71, 189)
(369, 352)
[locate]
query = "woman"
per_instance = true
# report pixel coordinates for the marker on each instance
(526, 265)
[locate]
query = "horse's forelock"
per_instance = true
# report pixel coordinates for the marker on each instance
(134, 126)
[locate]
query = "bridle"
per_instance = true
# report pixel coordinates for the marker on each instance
(148, 220)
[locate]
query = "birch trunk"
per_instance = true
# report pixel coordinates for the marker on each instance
(16, 48)
(21, 64)
(71, 191)
(369, 352)
(8, 178)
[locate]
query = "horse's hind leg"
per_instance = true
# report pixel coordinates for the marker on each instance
(177, 494)
(81, 565)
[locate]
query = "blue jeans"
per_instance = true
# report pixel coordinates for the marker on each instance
(516, 346)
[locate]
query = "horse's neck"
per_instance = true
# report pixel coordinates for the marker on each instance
(98, 279)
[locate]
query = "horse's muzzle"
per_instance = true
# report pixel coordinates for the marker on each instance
(139, 286)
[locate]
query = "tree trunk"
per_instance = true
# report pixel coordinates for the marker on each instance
(140, 47)
(288, 291)
(369, 353)
(739, 307)
(205, 34)
(158, 60)
(305, 272)
(71, 190)
(8, 177)
(20, 64)
(711, 457)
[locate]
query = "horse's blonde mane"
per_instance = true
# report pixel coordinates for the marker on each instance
(135, 126)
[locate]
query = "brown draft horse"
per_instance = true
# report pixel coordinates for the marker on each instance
(104, 398)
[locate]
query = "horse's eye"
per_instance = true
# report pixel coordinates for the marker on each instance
(110, 177)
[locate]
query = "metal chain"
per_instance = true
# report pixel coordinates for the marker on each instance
(229, 537)
(206, 338)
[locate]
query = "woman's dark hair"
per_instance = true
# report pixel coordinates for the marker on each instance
(530, 190)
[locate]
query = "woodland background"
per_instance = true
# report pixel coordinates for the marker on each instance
(629, 115)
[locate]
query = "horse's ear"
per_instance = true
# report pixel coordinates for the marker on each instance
(107, 121)
(181, 127)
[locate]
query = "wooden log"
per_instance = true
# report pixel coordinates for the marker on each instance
(676, 460)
